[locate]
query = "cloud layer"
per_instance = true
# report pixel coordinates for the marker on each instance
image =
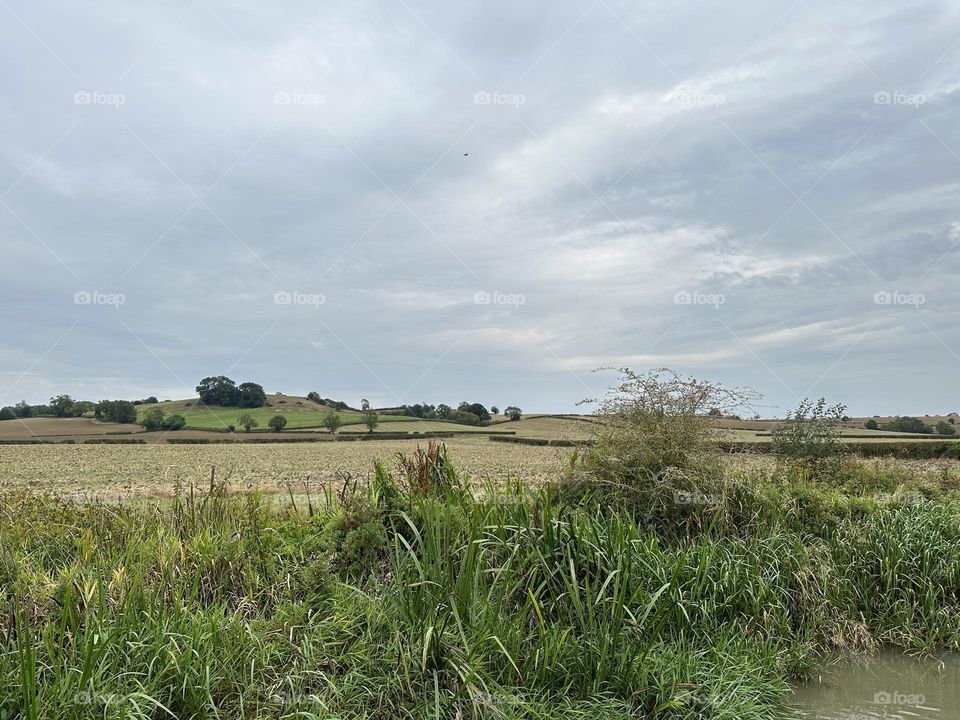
(418, 200)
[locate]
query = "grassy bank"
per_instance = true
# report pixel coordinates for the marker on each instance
(418, 597)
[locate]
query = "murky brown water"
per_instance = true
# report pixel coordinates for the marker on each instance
(890, 685)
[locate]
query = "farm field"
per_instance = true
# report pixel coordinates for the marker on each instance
(44, 427)
(148, 470)
(299, 411)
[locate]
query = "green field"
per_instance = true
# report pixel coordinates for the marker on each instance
(300, 413)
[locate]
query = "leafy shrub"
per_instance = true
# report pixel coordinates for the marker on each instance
(908, 425)
(277, 423)
(811, 437)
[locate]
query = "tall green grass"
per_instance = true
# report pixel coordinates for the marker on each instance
(419, 597)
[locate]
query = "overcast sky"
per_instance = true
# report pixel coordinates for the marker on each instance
(481, 201)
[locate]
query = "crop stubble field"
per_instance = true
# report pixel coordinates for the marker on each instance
(146, 470)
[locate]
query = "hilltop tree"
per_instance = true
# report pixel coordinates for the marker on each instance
(314, 396)
(494, 410)
(63, 406)
(23, 409)
(332, 422)
(277, 423)
(251, 395)
(513, 412)
(219, 390)
(247, 422)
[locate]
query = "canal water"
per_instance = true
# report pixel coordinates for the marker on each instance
(890, 685)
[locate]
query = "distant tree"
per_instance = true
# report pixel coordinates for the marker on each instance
(174, 422)
(149, 400)
(7, 414)
(116, 411)
(871, 424)
(494, 410)
(314, 396)
(513, 412)
(364, 405)
(23, 410)
(251, 395)
(444, 411)
(152, 419)
(219, 390)
(945, 428)
(370, 418)
(908, 425)
(63, 406)
(332, 422)
(952, 420)
(277, 423)
(247, 422)
(715, 412)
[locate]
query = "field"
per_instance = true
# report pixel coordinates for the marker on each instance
(111, 471)
(300, 412)
(425, 593)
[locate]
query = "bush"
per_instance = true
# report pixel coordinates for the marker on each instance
(908, 425)
(653, 438)
(152, 419)
(332, 422)
(247, 422)
(871, 424)
(946, 428)
(117, 411)
(811, 437)
(277, 423)
(174, 422)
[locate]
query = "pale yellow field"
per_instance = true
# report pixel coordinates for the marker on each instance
(149, 470)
